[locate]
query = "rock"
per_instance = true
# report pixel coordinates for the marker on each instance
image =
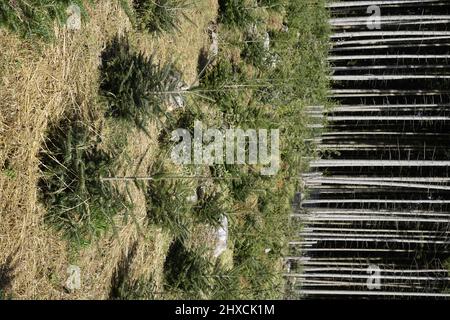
(192, 198)
(74, 17)
(253, 30)
(288, 266)
(176, 100)
(214, 38)
(222, 238)
(73, 281)
(298, 197)
(272, 59)
(214, 47)
(266, 44)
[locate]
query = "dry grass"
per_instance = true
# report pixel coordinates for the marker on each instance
(39, 83)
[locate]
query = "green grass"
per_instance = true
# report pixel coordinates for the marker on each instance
(273, 4)
(35, 18)
(10, 173)
(248, 94)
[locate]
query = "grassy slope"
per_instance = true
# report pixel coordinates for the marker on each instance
(64, 76)
(41, 81)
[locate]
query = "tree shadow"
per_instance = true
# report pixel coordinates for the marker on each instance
(120, 280)
(7, 275)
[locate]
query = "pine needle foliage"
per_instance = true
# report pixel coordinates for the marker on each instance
(211, 208)
(275, 5)
(135, 86)
(167, 206)
(221, 83)
(187, 270)
(168, 203)
(77, 201)
(159, 16)
(236, 13)
(255, 53)
(34, 18)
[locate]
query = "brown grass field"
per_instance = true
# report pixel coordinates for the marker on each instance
(38, 83)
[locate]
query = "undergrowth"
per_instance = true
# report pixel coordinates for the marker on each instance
(261, 93)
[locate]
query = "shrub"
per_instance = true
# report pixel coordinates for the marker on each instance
(218, 82)
(187, 270)
(168, 203)
(227, 285)
(236, 13)
(211, 208)
(134, 86)
(255, 53)
(77, 201)
(158, 16)
(272, 4)
(35, 18)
